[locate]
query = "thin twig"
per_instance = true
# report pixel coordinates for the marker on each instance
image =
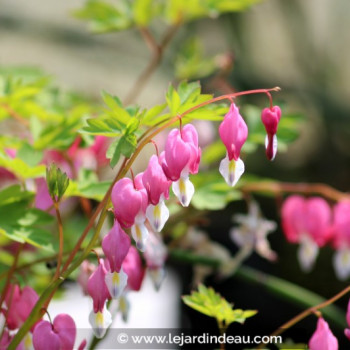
(157, 56)
(15, 115)
(303, 188)
(60, 236)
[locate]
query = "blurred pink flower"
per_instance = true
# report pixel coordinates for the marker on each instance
(308, 222)
(323, 338)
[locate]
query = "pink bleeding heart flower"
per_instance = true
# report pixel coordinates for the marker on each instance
(347, 330)
(323, 338)
(157, 187)
(306, 221)
(99, 318)
(155, 181)
(181, 158)
(132, 266)
(233, 132)
(59, 335)
(341, 239)
(97, 288)
(20, 304)
(270, 118)
(116, 245)
(130, 201)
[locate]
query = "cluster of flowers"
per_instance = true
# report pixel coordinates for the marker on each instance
(312, 223)
(18, 305)
(323, 338)
(139, 205)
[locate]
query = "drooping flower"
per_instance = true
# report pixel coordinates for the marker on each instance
(116, 245)
(155, 255)
(323, 338)
(20, 304)
(132, 266)
(157, 187)
(341, 239)
(307, 222)
(130, 201)
(43, 199)
(347, 330)
(100, 318)
(181, 158)
(59, 335)
(270, 118)
(233, 132)
(253, 230)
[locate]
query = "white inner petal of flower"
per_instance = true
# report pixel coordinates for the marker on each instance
(157, 275)
(100, 321)
(231, 170)
(124, 307)
(274, 145)
(116, 282)
(183, 190)
(307, 252)
(157, 215)
(140, 234)
(341, 263)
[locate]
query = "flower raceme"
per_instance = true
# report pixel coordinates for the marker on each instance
(307, 222)
(233, 132)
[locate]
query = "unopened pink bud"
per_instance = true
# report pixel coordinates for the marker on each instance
(155, 181)
(97, 287)
(323, 338)
(233, 132)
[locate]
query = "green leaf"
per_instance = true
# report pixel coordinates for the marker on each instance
(23, 224)
(21, 169)
(143, 11)
(29, 155)
(106, 126)
(57, 182)
(212, 192)
(14, 194)
(173, 100)
(190, 62)
(104, 17)
(126, 145)
(152, 113)
(212, 304)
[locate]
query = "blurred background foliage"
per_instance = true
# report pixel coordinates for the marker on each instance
(301, 46)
